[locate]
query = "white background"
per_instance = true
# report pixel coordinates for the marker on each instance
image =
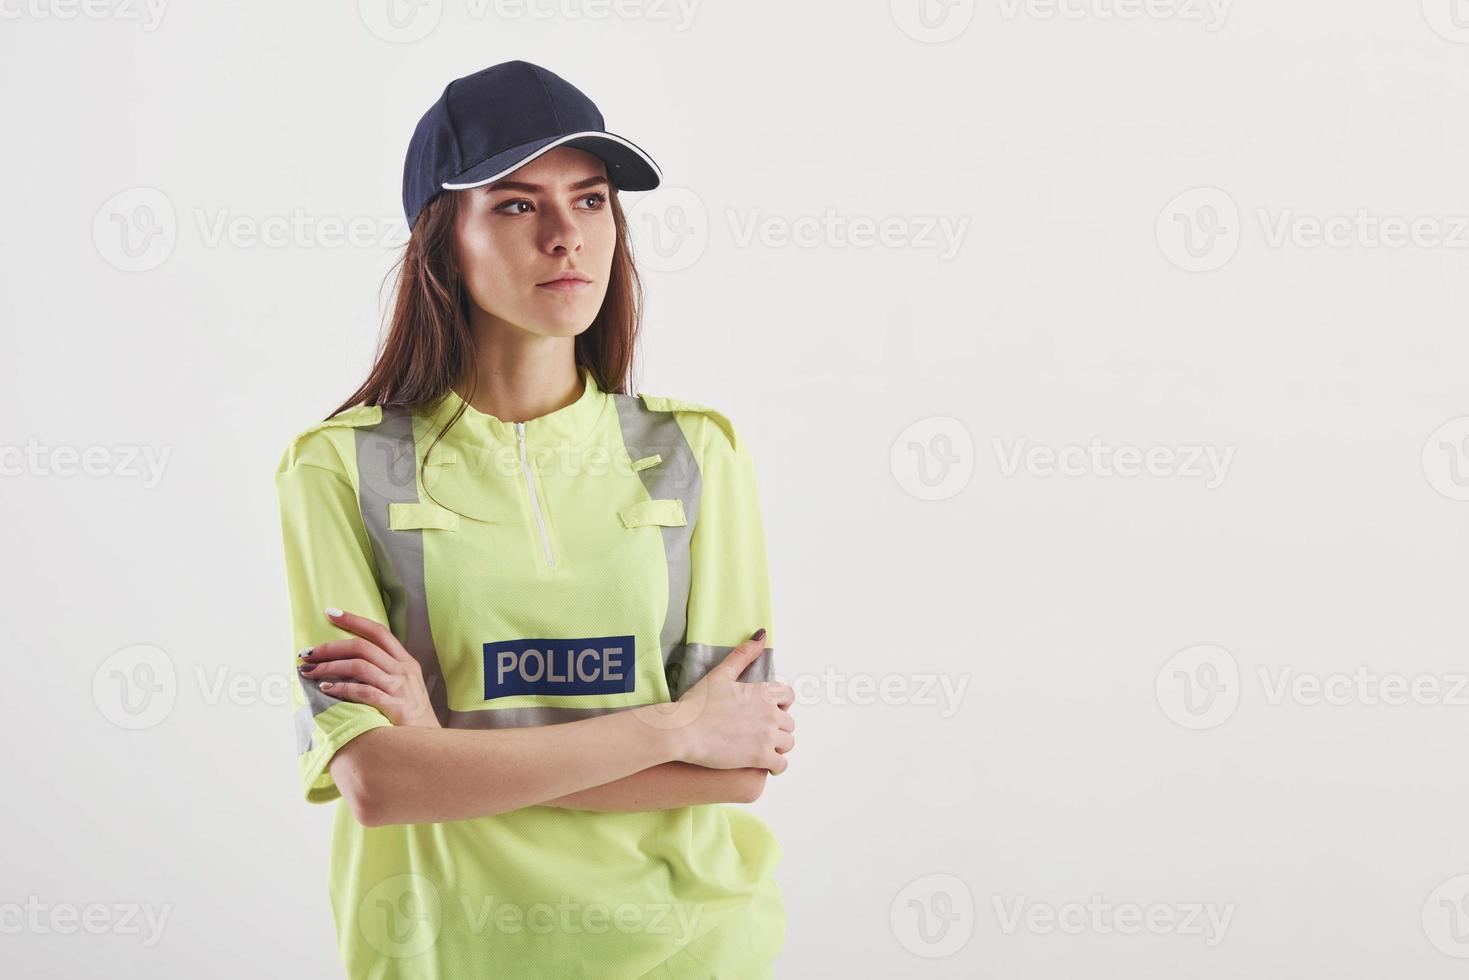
(1117, 643)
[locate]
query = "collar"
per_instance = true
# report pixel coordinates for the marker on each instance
(569, 424)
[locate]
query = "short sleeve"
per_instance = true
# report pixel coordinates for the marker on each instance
(328, 563)
(729, 581)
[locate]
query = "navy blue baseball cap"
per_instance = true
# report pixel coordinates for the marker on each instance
(487, 124)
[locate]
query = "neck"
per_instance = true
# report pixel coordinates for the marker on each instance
(521, 377)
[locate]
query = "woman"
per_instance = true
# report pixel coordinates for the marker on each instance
(534, 606)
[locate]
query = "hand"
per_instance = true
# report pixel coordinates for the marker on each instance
(371, 668)
(733, 724)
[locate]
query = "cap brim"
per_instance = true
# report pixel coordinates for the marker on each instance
(628, 167)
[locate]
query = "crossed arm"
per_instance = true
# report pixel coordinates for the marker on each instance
(669, 784)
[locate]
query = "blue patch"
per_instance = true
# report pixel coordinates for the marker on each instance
(590, 665)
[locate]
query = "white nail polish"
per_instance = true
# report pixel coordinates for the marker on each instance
(333, 612)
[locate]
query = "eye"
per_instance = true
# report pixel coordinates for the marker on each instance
(597, 197)
(512, 201)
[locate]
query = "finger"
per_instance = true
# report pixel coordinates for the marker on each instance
(369, 629)
(787, 722)
(352, 691)
(743, 655)
(776, 763)
(355, 670)
(784, 742)
(349, 647)
(778, 693)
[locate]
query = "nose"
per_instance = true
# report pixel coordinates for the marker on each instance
(560, 232)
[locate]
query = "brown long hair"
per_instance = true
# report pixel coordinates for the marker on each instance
(429, 346)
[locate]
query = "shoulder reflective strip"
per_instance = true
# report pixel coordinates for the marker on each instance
(697, 659)
(646, 432)
(406, 517)
(647, 461)
(663, 403)
(668, 512)
(387, 473)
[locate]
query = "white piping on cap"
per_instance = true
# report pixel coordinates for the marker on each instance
(551, 146)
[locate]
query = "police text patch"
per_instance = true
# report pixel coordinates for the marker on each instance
(589, 665)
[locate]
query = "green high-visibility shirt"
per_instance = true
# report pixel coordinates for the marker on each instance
(603, 556)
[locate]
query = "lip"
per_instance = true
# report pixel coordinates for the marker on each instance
(564, 285)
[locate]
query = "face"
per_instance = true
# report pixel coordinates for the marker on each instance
(517, 236)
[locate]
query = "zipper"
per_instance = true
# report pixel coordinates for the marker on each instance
(535, 504)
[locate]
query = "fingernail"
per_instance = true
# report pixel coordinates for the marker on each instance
(324, 685)
(759, 633)
(306, 652)
(305, 668)
(333, 612)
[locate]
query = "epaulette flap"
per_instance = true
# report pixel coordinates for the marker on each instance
(662, 403)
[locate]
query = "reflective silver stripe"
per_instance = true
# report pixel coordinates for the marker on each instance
(387, 473)
(697, 659)
(317, 701)
(525, 717)
(305, 726)
(646, 432)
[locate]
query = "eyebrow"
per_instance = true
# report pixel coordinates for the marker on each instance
(516, 185)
